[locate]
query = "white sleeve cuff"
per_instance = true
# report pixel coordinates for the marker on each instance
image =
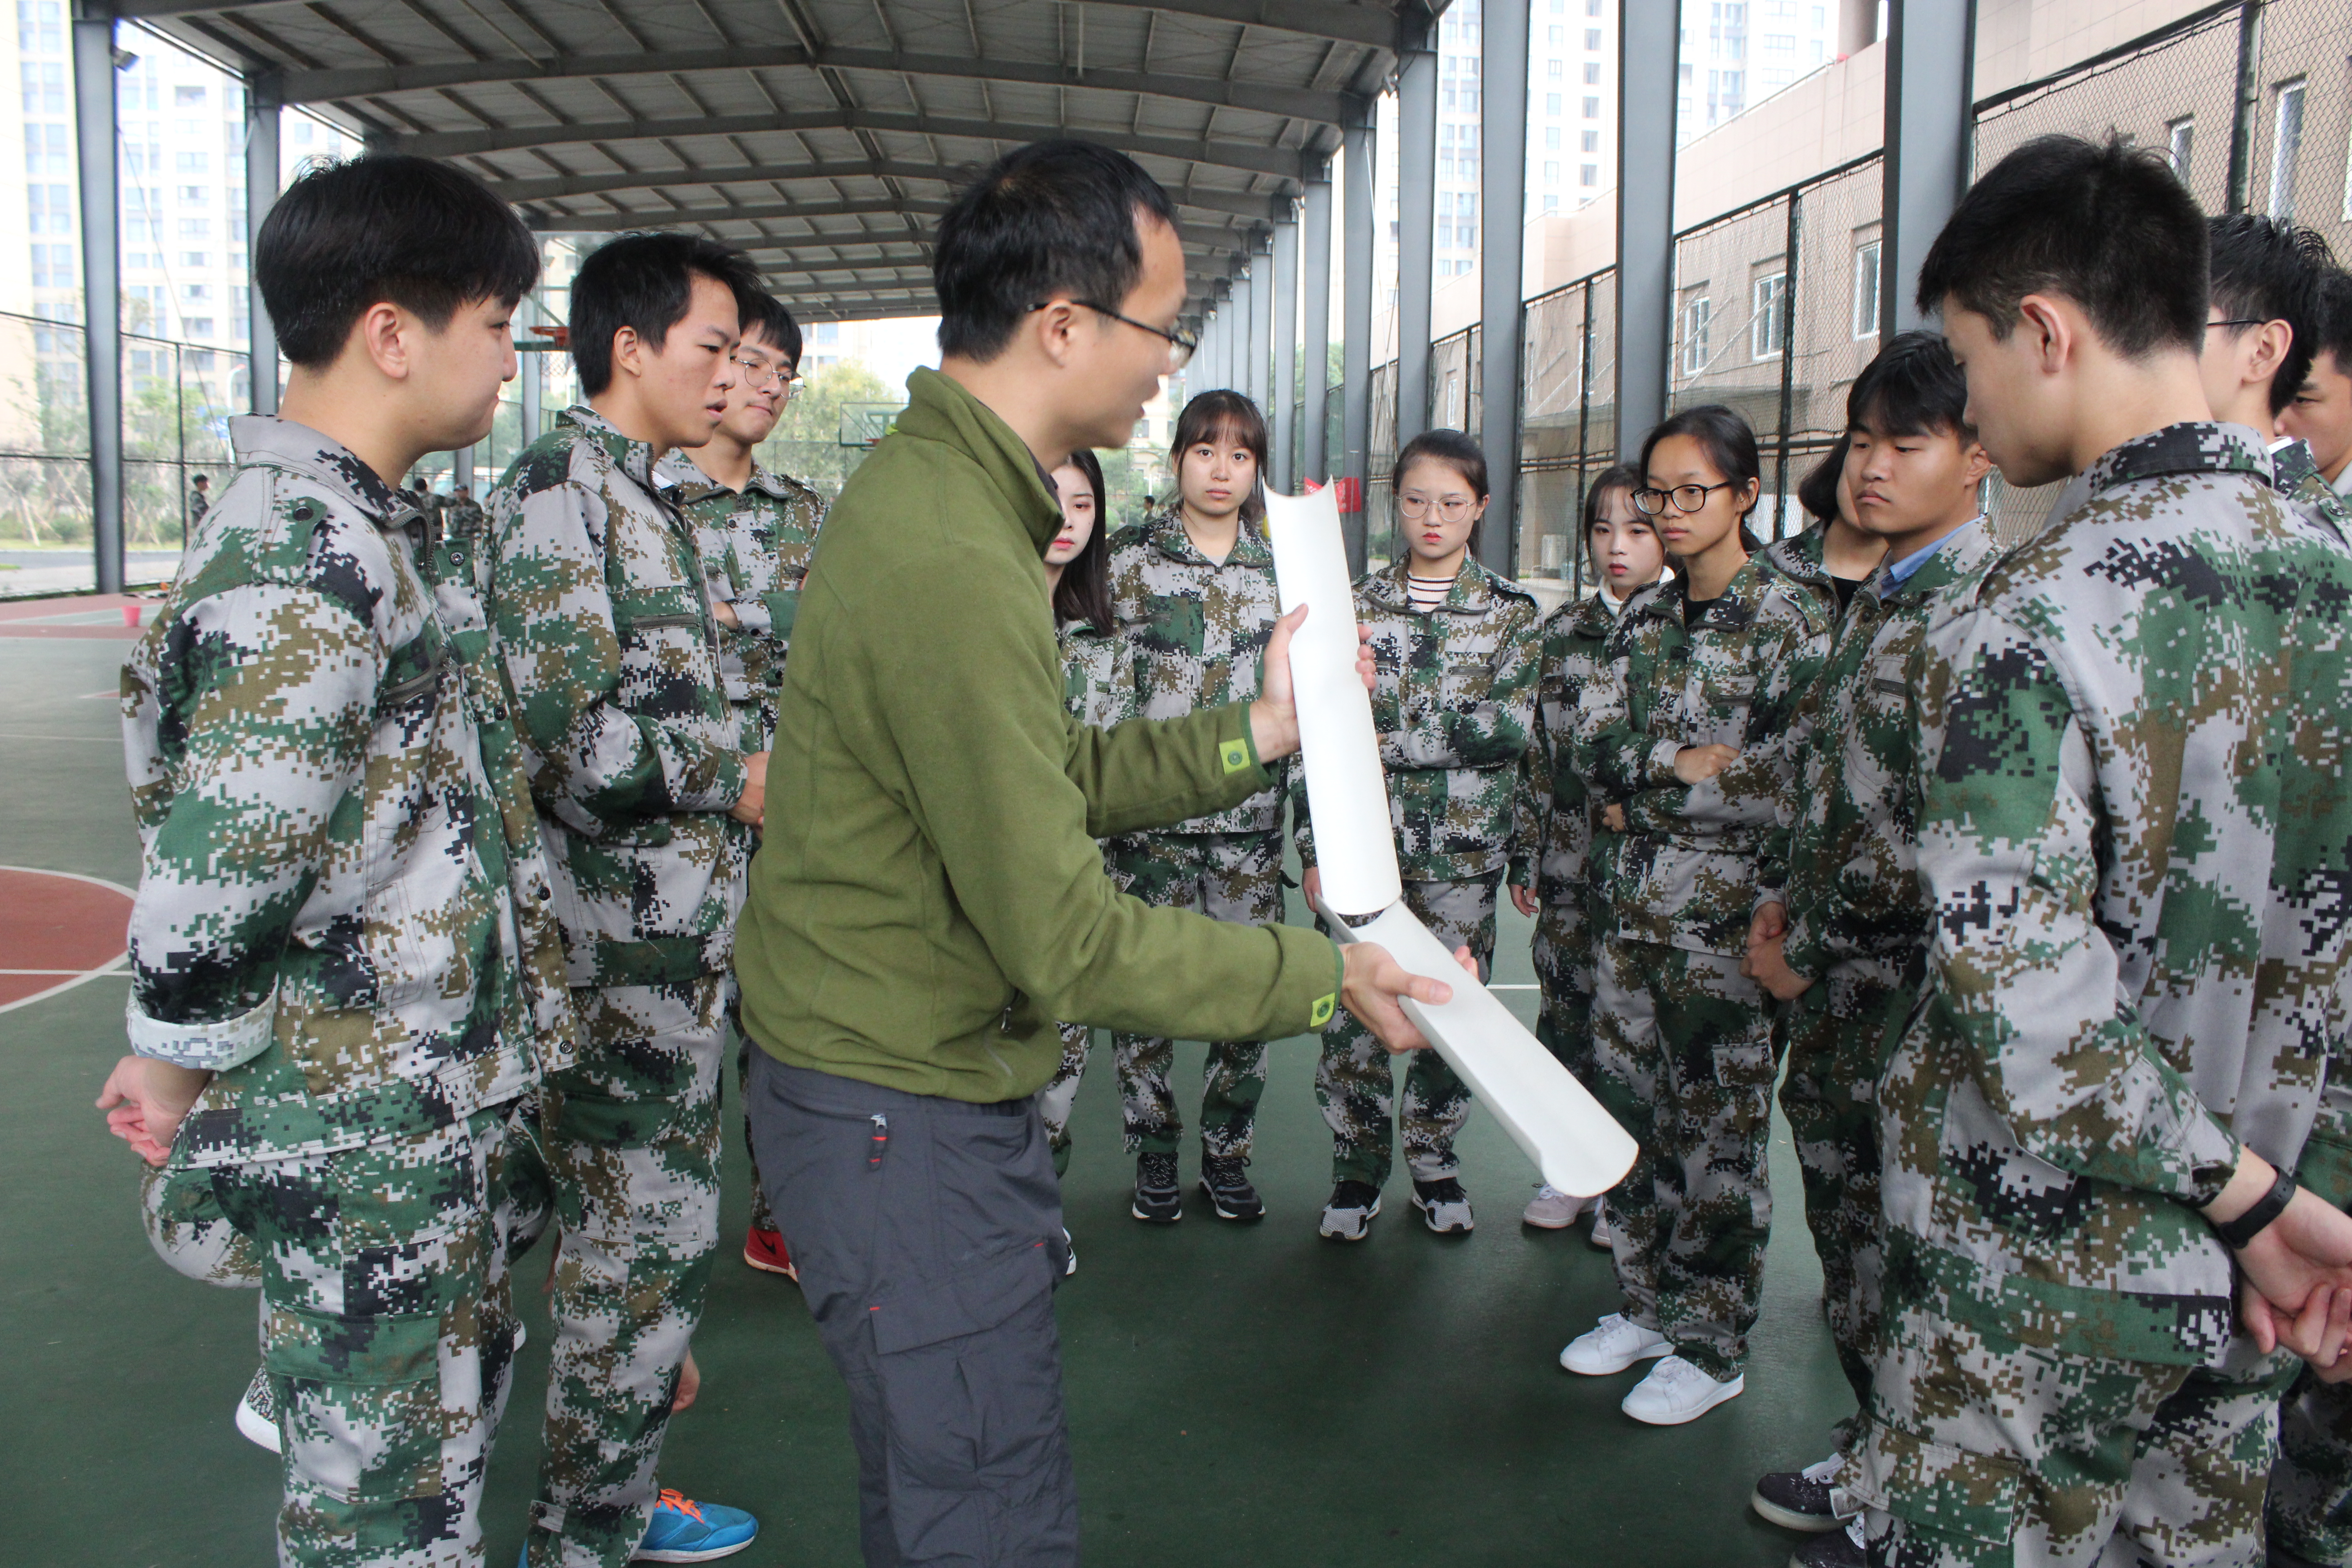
(205, 1047)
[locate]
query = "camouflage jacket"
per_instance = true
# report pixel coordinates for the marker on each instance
(1729, 671)
(339, 865)
(1554, 815)
(1196, 632)
(1801, 558)
(463, 518)
(1454, 706)
(1099, 687)
(756, 546)
(2096, 842)
(1851, 881)
(634, 750)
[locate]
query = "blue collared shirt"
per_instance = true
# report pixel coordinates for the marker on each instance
(1900, 571)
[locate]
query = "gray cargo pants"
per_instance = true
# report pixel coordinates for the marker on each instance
(929, 1236)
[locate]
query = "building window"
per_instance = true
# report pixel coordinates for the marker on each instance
(1591, 109)
(1551, 138)
(195, 258)
(1551, 173)
(2286, 150)
(1698, 316)
(1559, 37)
(1592, 73)
(1781, 44)
(196, 196)
(1550, 205)
(1592, 8)
(1589, 175)
(188, 97)
(47, 150)
(45, 86)
(1592, 39)
(41, 26)
(1769, 322)
(49, 210)
(1551, 103)
(193, 162)
(2180, 139)
(52, 267)
(1865, 290)
(196, 293)
(1591, 141)
(196, 228)
(198, 326)
(1555, 70)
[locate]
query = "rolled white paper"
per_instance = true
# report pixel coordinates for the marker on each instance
(1346, 793)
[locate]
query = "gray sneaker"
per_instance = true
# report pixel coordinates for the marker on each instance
(1551, 1209)
(1349, 1215)
(1445, 1207)
(1158, 1200)
(1602, 1238)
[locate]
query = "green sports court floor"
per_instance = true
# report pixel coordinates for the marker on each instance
(1241, 1396)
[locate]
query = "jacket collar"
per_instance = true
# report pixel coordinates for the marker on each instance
(1666, 599)
(1474, 592)
(2193, 447)
(1803, 556)
(634, 459)
(1165, 530)
(683, 474)
(282, 443)
(939, 409)
(1963, 550)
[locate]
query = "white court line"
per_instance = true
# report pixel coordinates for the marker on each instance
(74, 977)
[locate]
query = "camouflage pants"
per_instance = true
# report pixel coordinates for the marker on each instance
(387, 1331)
(1985, 1452)
(1355, 1078)
(1684, 1054)
(1227, 877)
(1837, 1036)
(1056, 1101)
(632, 1142)
(1563, 964)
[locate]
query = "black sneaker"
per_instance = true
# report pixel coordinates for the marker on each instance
(1349, 1215)
(1225, 1179)
(1799, 1499)
(1445, 1207)
(1158, 1200)
(1836, 1549)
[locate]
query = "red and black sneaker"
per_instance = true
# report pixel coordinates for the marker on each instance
(764, 1250)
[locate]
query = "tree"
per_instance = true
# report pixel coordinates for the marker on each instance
(806, 442)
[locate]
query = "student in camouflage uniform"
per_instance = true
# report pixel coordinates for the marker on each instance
(1835, 555)
(2081, 1129)
(1846, 947)
(1457, 650)
(1192, 586)
(756, 533)
(1689, 744)
(2321, 415)
(648, 798)
(463, 516)
(1556, 815)
(346, 977)
(1099, 689)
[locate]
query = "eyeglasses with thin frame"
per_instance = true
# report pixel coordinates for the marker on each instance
(1181, 343)
(758, 373)
(1452, 509)
(2243, 322)
(1651, 503)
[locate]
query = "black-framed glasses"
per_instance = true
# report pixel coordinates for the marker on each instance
(1652, 502)
(758, 373)
(2242, 321)
(1181, 343)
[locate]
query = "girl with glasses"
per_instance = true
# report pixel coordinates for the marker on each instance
(1455, 645)
(1685, 740)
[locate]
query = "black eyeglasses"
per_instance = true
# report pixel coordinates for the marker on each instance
(1181, 343)
(2248, 321)
(1652, 502)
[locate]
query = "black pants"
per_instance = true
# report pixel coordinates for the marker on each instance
(929, 1238)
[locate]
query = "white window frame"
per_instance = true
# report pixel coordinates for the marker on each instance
(2287, 106)
(1867, 263)
(1767, 322)
(1698, 325)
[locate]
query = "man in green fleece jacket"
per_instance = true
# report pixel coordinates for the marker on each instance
(930, 898)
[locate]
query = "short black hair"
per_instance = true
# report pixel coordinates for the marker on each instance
(1082, 592)
(1817, 492)
(2104, 224)
(645, 281)
(424, 235)
(1913, 387)
(1051, 217)
(201, 479)
(765, 317)
(2335, 334)
(2266, 270)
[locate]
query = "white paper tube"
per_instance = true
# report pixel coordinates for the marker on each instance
(1346, 793)
(1576, 1144)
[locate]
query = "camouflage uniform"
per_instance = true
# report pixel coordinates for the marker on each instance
(1857, 926)
(1683, 1042)
(2309, 1512)
(756, 545)
(635, 758)
(1100, 688)
(343, 915)
(1196, 633)
(2115, 997)
(464, 518)
(1454, 706)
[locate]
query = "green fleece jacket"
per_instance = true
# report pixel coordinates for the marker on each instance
(929, 897)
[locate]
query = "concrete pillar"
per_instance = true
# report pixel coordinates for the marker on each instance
(531, 372)
(1930, 60)
(102, 282)
(1502, 217)
(1416, 233)
(1261, 326)
(1356, 334)
(1315, 354)
(1650, 36)
(261, 112)
(1284, 387)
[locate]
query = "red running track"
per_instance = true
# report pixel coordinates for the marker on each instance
(57, 930)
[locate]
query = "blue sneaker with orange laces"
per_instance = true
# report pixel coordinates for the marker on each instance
(684, 1530)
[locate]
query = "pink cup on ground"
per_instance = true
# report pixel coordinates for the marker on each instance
(129, 615)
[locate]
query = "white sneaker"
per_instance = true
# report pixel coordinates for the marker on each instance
(1676, 1392)
(1069, 1252)
(1616, 1344)
(256, 1412)
(1551, 1209)
(1602, 1239)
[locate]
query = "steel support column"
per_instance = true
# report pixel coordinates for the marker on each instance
(1261, 327)
(261, 93)
(1285, 389)
(1356, 335)
(101, 283)
(461, 469)
(1930, 66)
(1416, 233)
(1315, 354)
(1646, 86)
(1502, 217)
(530, 370)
